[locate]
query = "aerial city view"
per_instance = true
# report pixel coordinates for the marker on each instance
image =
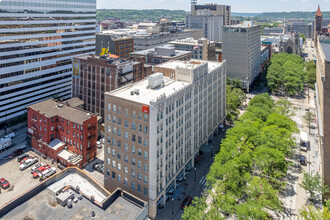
(165, 110)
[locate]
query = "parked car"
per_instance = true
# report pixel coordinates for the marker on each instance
(16, 153)
(29, 162)
(24, 159)
(39, 170)
(197, 159)
(21, 157)
(99, 167)
(11, 135)
(303, 160)
(47, 173)
(186, 202)
(4, 184)
(36, 167)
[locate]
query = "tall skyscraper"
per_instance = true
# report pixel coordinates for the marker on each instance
(241, 48)
(317, 24)
(210, 18)
(38, 39)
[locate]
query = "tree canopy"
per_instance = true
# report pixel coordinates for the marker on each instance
(286, 74)
(249, 170)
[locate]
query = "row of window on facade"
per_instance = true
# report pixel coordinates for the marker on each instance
(54, 119)
(134, 186)
(135, 138)
(134, 127)
(133, 148)
(118, 110)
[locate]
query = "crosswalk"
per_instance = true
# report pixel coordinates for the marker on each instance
(203, 181)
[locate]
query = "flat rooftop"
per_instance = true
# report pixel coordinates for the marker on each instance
(153, 52)
(52, 108)
(326, 50)
(148, 95)
(55, 144)
(44, 206)
(76, 180)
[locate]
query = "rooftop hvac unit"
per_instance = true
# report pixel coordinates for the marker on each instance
(155, 80)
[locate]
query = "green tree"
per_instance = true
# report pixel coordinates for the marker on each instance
(309, 118)
(310, 72)
(303, 37)
(314, 185)
(312, 213)
(284, 107)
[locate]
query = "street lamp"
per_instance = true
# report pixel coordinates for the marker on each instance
(172, 205)
(195, 175)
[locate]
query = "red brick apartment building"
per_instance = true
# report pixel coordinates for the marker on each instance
(93, 75)
(63, 133)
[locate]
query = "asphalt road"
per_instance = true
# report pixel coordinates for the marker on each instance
(19, 141)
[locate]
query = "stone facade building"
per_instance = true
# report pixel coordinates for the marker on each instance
(317, 24)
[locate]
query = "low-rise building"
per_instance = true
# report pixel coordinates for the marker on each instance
(272, 31)
(201, 49)
(160, 54)
(63, 133)
(93, 75)
(155, 128)
(112, 42)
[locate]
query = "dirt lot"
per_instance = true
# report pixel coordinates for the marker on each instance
(20, 181)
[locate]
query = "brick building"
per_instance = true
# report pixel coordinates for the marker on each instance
(93, 75)
(116, 44)
(63, 133)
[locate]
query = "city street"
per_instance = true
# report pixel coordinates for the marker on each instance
(19, 141)
(193, 188)
(309, 48)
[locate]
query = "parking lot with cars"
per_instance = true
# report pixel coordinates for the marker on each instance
(16, 171)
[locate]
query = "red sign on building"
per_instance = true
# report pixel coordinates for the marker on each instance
(145, 109)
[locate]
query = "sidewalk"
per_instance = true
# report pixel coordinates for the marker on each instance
(193, 188)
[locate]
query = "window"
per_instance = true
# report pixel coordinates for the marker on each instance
(109, 117)
(68, 123)
(146, 117)
(133, 185)
(119, 110)
(52, 128)
(73, 134)
(146, 142)
(133, 114)
(114, 119)
(108, 150)
(133, 125)
(139, 127)
(145, 191)
(126, 124)
(109, 106)
(108, 172)
(113, 175)
(126, 169)
(139, 152)
(118, 155)
(145, 167)
(67, 131)
(119, 166)
(133, 149)
(109, 129)
(140, 116)
(74, 125)
(114, 108)
(113, 152)
(138, 175)
(126, 147)
(126, 111)
(114, 164)
(139, 140)
(118, 177)
(119, 121)
(145, 179)
(114, 131)
(125, 158)
(126, 181)
(126, 135)
(139, 164)
(145, 129)
(145, 155)
(133, 137)
(138, 187)
(119, 132)
(133, 161)
(109, 162)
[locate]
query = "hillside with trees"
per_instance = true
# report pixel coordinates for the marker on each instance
(309, 16)
(140, 15)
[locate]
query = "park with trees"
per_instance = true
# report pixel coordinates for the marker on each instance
(249, 171)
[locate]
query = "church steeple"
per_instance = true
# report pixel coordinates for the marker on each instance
(318, 12)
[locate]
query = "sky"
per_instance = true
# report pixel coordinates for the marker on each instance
(248, 6)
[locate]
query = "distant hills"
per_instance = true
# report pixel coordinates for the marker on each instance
(157, 14)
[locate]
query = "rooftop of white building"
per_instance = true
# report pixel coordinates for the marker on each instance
(140, 92)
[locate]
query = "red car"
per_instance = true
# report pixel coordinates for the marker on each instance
(4, 183)
(186, 202)
(41, 169)
(24, 159)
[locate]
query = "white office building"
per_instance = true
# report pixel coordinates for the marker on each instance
(163, 123)
(37, 41)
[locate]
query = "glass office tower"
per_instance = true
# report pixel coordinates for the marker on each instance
(37, 41)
